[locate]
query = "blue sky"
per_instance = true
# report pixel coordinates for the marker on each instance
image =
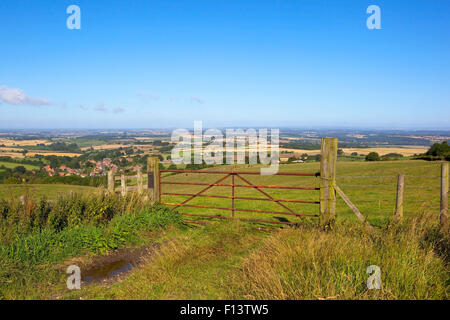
(276, 63)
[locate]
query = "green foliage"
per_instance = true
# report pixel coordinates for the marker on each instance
(56, 146)
(390, 156)
(373, 156)
(20, 169)
(25, 258)
(18, 219)
(439, 149)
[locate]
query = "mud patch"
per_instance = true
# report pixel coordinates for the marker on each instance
(110, 268)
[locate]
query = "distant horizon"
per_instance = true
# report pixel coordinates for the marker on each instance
(317, 128)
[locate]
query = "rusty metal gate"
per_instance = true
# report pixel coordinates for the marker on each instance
(247, 184)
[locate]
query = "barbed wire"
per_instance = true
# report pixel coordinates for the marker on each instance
(391, 199)
(421, 176)
(364, 176)
(422, 187)
(387, 176)
(386, 186)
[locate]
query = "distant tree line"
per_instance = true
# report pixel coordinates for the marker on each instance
(438, 151)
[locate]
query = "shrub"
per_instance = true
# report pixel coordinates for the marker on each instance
(373, 156)
(17, 218)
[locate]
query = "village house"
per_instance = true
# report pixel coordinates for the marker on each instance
(107, 161)
(49, 170)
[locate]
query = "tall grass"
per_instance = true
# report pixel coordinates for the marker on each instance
(306, 264)
(20, 218)
(40, 234)
(192, 265)
(230, 261)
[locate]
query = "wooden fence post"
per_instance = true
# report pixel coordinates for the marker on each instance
(328, 181)
(140, 185)
(111, 181)
(153, 179)
(123, 185)
(443, 216)
(400, 192)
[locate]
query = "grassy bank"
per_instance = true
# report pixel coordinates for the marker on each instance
(230, 261)
(305, 264)
(38, 236)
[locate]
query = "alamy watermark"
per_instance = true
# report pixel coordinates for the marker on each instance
(374, 281)
(374, 20)
(74, 20)
(238, 146)
(74, 279)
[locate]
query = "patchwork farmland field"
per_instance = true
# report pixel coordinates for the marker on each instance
(12, 165)
(50, 191)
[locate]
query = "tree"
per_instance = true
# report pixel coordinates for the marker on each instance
(20, 169)
(340, 152)
(354, 154)
(392, 155)
(439, 149)
(373, 156)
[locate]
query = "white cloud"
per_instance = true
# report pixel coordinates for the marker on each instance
(118, 110)
(17, 96)
(101, 107)
(197, 99)
(148, 96)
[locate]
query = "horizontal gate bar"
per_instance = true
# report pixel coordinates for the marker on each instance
(240, 185)
(242, 210)
(307, 174)
(240, 198)
(243, 219)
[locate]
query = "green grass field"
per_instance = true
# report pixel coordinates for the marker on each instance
(51, 191)
(12, 165)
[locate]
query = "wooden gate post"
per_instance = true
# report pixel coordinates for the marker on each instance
(140, 185)
(153, 179)
(443, 216)
(400, 191)
(111, 181)
(328, 181)
(123, 185)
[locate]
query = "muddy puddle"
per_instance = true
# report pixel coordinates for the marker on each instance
(111, 267)
(110, 270)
